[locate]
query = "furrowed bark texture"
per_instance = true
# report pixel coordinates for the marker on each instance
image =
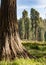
(10, 43)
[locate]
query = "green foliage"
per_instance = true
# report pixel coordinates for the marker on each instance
(45, 36)
(35, 21)
(21, 28)
(32, 28)
(25, 26)
(34, 14)
(28, 28)
(24, 14)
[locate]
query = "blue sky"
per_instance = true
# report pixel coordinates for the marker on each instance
(39, 5)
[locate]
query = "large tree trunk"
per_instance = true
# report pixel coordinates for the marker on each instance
(10, 43)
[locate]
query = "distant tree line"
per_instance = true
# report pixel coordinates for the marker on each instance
(32, 28)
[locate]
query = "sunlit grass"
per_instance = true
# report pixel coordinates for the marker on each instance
(36, 49)
(33, 42)
(22, 61)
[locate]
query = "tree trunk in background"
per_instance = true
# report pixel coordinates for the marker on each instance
(10, 43)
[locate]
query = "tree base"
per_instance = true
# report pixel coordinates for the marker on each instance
(13, 48)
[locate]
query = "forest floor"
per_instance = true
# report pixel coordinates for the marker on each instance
(35, 49)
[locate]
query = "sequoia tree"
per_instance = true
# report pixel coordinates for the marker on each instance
(35, 22)
(10, 43)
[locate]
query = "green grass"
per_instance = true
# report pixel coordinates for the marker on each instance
(35, 49)
(21, 61)
(38, 50)
(34, 42)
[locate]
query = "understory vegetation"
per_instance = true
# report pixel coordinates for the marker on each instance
(35, 49)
